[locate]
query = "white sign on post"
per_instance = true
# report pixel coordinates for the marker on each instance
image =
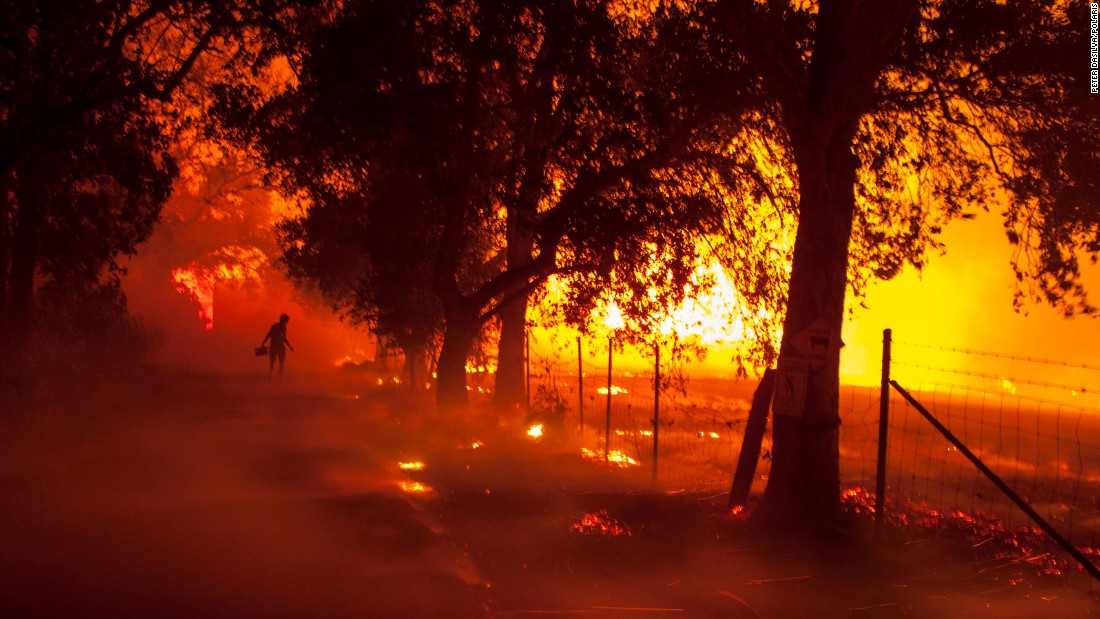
(790, 385)
(817, 343)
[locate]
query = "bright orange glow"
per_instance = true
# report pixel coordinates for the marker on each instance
(535, 431)
(411, 466)
(200, 289)
(237, 263)
(613, 317)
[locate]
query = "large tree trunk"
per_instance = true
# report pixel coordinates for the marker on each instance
(510, 387)
(416, 368)
(804, 483)
(821, 112)
(462, 326)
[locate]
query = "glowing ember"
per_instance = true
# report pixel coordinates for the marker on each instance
(646, 432)
(615, 390)
(709, 435)
(615, 458)
(412, 466)
(599, 523)
(535, 431)
(414, 487)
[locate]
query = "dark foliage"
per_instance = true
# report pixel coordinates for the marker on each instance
(433, 138)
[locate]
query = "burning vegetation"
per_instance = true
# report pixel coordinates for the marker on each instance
(613, 458)
(600, 523)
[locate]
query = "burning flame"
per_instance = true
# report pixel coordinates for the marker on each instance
(615, 390)
(613, 317)
(411, 466)
(237, 263)
(414, 487)
(480, 369)
(615, 458)
(535, 431)
(200, 289)
(599, 523)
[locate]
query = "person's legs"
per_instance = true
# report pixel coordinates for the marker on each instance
(271, 364)
(282, 358)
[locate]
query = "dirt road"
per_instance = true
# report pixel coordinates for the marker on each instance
(187, 496)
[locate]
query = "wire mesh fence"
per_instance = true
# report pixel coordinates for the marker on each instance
(1034, 422)
(1031, 427)
(701, 422)
(1030, 420)
(699, 428)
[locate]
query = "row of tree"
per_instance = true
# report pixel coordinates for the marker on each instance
(453, 156)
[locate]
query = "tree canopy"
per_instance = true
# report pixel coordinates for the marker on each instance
(432, 137)
(895, 117)
(84, 151)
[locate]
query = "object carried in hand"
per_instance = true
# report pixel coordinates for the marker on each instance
(261, 351)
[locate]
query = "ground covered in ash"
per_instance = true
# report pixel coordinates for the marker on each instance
(152, 494)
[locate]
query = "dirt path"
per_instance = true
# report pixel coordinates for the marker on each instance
(199, 497)
(215, 497)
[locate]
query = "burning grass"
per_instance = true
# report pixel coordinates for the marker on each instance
(615, 458)
(987, 534)
(600, 523)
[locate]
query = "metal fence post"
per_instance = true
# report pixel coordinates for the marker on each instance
(580, 385)
(656, 404)
(607, 433)
(527, 369)
(883, 430)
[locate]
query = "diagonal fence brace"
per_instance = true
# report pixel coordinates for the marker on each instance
(1001, 485)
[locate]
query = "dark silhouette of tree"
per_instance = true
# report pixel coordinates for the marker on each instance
(459, 154)
(84, 163)
(896, 116)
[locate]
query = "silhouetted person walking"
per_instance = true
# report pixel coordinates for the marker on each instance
(279, 344)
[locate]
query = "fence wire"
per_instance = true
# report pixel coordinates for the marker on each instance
(1028, 425)
(702, 424)
(1023, 418)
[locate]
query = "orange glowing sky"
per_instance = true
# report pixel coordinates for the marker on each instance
(961, 300)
